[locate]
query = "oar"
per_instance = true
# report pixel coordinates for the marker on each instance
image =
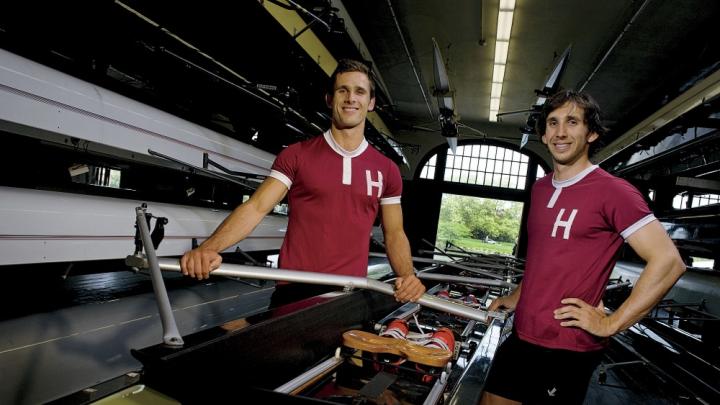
(263, 273)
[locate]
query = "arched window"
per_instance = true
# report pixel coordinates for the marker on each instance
(428, 171)
(483, 165)
(479, 192)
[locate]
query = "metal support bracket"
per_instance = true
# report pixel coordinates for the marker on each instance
(171, 335)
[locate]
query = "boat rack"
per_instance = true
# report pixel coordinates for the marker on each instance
(671, 354)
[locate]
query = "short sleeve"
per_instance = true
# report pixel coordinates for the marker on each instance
(393, 190)
(626, 209)
(286, 165)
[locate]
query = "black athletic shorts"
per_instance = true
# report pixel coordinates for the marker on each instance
(293, 292)
(533, 374)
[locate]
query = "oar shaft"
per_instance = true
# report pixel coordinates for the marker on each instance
(264, 273)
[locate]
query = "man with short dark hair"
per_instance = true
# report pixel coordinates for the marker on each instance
(579, 217)
(336, 183)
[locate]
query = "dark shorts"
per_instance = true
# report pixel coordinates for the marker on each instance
(288, 293)
(533, 374)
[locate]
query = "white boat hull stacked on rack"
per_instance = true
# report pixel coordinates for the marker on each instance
(47, 226)
(44, 226)
(40, 102)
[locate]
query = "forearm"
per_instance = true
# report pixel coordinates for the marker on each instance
(515, 295)
(398, 251)
(510, 301)
(652, 285)
(241, 222)
(507, 301)
(236, 227)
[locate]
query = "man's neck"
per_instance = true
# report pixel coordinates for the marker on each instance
(564, 172)
(350, 138)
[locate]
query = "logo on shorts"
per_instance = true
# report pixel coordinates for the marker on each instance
(551, 393)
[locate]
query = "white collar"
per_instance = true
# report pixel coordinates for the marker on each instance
(342, 152)
(569, 182)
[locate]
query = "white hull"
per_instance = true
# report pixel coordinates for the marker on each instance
(45, 226)
(44, 103)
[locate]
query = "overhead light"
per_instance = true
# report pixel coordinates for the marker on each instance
(496, 90)
(505, 19)
(502, 44)
(501, 51)
(498, 73)
(495, 103)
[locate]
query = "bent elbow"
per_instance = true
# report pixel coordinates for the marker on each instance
(677, 266)
(680, 266)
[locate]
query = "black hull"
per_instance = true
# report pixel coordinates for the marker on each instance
(221, 365)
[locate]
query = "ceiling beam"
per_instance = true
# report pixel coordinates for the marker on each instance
(291, 21)
(357, 39)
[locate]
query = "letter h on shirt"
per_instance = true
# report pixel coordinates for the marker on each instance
(566, 224)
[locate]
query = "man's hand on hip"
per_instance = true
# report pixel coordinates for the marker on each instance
(578, 313)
